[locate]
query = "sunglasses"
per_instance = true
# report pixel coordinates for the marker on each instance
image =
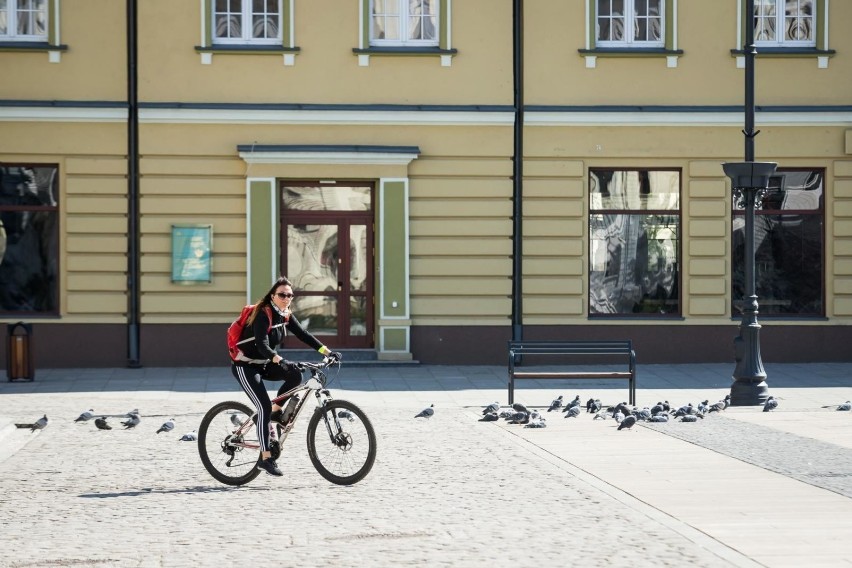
(284, 296)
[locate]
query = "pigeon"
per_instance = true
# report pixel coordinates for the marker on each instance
(37, 425)
(573, 412)
(345, 414)
(596, 406)
(134, 411)
(131, 422)
(236, 420)
(538, 422)
(426, 412)
(771, 404)
(627, 423)
(845, 406)
(691, 417)
(85, 416)
(520, 418)
(573, 403)
(589, 404)
(490, 417)
(644, 414)
(619, 416)
(167, 426)
(661, 417)
(727, 400)
(493, 407)
(684, 410)
(556, 404)
(506, 413)
(518, 407)
(101, 423)
(702, 406)
(189, 437)
(600, 415)
(717, 406)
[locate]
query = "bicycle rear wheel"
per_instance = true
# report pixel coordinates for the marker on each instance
(228, 444)
(341, 442)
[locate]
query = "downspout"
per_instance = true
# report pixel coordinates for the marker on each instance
(132, 191)
(518, 169)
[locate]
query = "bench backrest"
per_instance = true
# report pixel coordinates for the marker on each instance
(614, 347)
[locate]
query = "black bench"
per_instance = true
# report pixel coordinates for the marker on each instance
(518, 350)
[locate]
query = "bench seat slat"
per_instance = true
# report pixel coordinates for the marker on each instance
(572, 375)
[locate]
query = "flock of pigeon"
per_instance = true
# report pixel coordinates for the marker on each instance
(624, 415)
(132, 419)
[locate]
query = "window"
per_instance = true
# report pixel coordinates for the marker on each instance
(247, 21)
(779, 23)
(630, 23)
(29, 240)
(788, 246)
(634, 242)
(23, 20)
(404, 22)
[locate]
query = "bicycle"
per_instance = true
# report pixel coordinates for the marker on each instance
(343, 452)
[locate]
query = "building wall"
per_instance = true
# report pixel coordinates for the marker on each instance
(623, 112)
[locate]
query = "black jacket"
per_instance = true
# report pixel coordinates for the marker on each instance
(264, 344)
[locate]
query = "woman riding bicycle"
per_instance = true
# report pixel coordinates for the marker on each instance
(258, 361)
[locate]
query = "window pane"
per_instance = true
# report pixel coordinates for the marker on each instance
(788, 246)
(765, 17)
(637, 190)
(4, 17)
(335, 198)
(312, 257)
(422, 20)
(358, 258)
(29, 241)
(31, 17)
(264, 19)
(799, 20)
(317, 314)
(358, 315)
(386, 20)
(634, 264)
(610, 20)
(788, 264)
(648, 24)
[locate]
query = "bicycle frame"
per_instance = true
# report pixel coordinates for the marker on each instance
(316, 384)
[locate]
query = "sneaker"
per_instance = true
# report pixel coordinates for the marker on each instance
(269, 466)
(277, 416)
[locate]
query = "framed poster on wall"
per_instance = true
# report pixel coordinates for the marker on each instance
(191, 248)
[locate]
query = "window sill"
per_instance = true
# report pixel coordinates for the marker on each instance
(821, 55)
(635, 317)
(792, 318)
(289, 53)
(591, 55)
(54, 52)
(446, 55)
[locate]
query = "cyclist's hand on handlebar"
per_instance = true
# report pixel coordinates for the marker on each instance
(335, 356)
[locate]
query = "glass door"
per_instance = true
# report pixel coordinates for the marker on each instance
(327, 254)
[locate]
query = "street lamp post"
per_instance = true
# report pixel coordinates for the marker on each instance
(749, 180)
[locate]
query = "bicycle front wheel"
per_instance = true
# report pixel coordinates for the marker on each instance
(341, 442)
(228, 444)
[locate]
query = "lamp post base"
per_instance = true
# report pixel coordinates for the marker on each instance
(749, 393)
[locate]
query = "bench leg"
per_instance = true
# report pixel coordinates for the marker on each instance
(511, 390)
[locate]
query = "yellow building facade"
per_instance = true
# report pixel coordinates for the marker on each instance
(366, 149)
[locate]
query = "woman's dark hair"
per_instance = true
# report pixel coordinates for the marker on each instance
(266, 300)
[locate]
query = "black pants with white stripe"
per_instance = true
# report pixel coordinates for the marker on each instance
(251, 379)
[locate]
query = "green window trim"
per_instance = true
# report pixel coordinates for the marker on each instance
(669, 50)
(53, 44)
(444, 48)
(30, 46)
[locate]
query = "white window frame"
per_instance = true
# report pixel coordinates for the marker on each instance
(629, 22)
(246, 38)
(12, 23)
(780, 17)
(404, 17)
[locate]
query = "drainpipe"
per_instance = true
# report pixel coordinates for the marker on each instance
(132, 191)
(518, 169)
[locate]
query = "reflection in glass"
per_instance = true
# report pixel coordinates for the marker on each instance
(634, 264)
(312, 257)
(358, 258)
(29, 243)
(331, 198)
(357, 315)
(788, 247)
(634, 190)
(317, 314)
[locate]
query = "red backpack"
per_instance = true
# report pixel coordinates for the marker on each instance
(235, 330)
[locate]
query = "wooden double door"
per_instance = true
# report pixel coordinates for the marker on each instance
(327, 253)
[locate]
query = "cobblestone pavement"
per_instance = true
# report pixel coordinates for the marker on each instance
(448, 491)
